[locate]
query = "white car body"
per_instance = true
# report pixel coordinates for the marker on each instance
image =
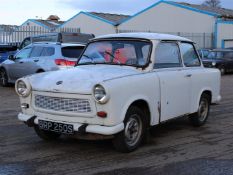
(168, 92)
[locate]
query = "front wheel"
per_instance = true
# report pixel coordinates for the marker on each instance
(200, 117)
(3, 78)
(46, 135)
(222, 70)
(135, 128)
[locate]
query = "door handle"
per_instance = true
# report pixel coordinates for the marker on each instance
(21, 62)
(35, 60)
(188, 75)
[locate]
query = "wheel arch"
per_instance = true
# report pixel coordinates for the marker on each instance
(207, 91)
(40, 71)
(5, 69)
(144, 106)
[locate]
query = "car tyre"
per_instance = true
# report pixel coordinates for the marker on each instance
(222, 70)
(3, 78)
(200, 117)
(133, 134)
(46, 135)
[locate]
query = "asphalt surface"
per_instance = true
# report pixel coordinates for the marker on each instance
(174, 148)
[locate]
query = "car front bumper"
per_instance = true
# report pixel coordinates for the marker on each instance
(95, 129)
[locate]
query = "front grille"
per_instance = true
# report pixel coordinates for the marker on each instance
(62, 104)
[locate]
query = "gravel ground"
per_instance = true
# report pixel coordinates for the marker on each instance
(174, 147)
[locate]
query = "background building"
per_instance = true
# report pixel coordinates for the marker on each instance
(205, 25)
(208, 27)
(95, 23)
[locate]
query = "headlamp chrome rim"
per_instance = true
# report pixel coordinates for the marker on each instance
(100, 94)
(24, 90)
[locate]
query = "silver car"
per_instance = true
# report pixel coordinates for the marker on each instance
(37, 58)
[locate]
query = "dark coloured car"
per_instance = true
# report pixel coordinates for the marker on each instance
(221, 59)
(5, 51)
(203, 53)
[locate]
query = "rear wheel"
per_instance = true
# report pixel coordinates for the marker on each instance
(46, 135)
(200, 117)
(135, 128)
(3, 78)
(40, 71)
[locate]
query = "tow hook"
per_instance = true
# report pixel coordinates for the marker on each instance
(30, 122)
(82, 129)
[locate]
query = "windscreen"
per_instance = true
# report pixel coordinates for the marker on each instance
(118, 52)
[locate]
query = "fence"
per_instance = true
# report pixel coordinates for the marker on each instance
(203, 40)
(15, 36)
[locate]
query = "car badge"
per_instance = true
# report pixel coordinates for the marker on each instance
(59, 82)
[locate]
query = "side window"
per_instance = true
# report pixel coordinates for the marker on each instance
(24, 53)
(48, 51)
(167, 55)
(228, 55)
(189, 55)
(36, 51)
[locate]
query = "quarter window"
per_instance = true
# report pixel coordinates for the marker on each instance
(167, 55)
(189, 55)
(48, 51)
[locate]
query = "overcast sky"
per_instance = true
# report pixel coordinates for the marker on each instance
(18, 11)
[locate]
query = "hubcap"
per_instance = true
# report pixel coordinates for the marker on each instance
(203, 110)
(133, 130)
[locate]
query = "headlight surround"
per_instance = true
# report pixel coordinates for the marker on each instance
(100, 94)
(22, 88)
(213, 63)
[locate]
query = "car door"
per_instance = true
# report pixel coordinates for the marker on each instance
(17, 69)
(194, 70)
(32, 62)
(228, 60)
(174, 83)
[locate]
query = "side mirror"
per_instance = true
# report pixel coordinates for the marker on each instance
(11, 57)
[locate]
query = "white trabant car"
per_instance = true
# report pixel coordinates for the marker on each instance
(122, 85)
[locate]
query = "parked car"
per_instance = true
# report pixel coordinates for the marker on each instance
(123, 84)
(203, 53)
(37, 58)
(61, 37)
(5, 51)
(221, 59)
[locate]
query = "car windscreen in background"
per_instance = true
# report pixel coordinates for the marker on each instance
(72, 51)
(45, 38)
(76, 37)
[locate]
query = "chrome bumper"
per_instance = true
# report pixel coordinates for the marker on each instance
(96, 129)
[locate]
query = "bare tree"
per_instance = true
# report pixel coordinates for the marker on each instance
(212, 3)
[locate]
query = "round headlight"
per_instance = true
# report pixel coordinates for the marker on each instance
(213, 63)
(22, 88)
(100, 94)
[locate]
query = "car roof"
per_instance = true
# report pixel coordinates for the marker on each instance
(141, 35)
(222, 50)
